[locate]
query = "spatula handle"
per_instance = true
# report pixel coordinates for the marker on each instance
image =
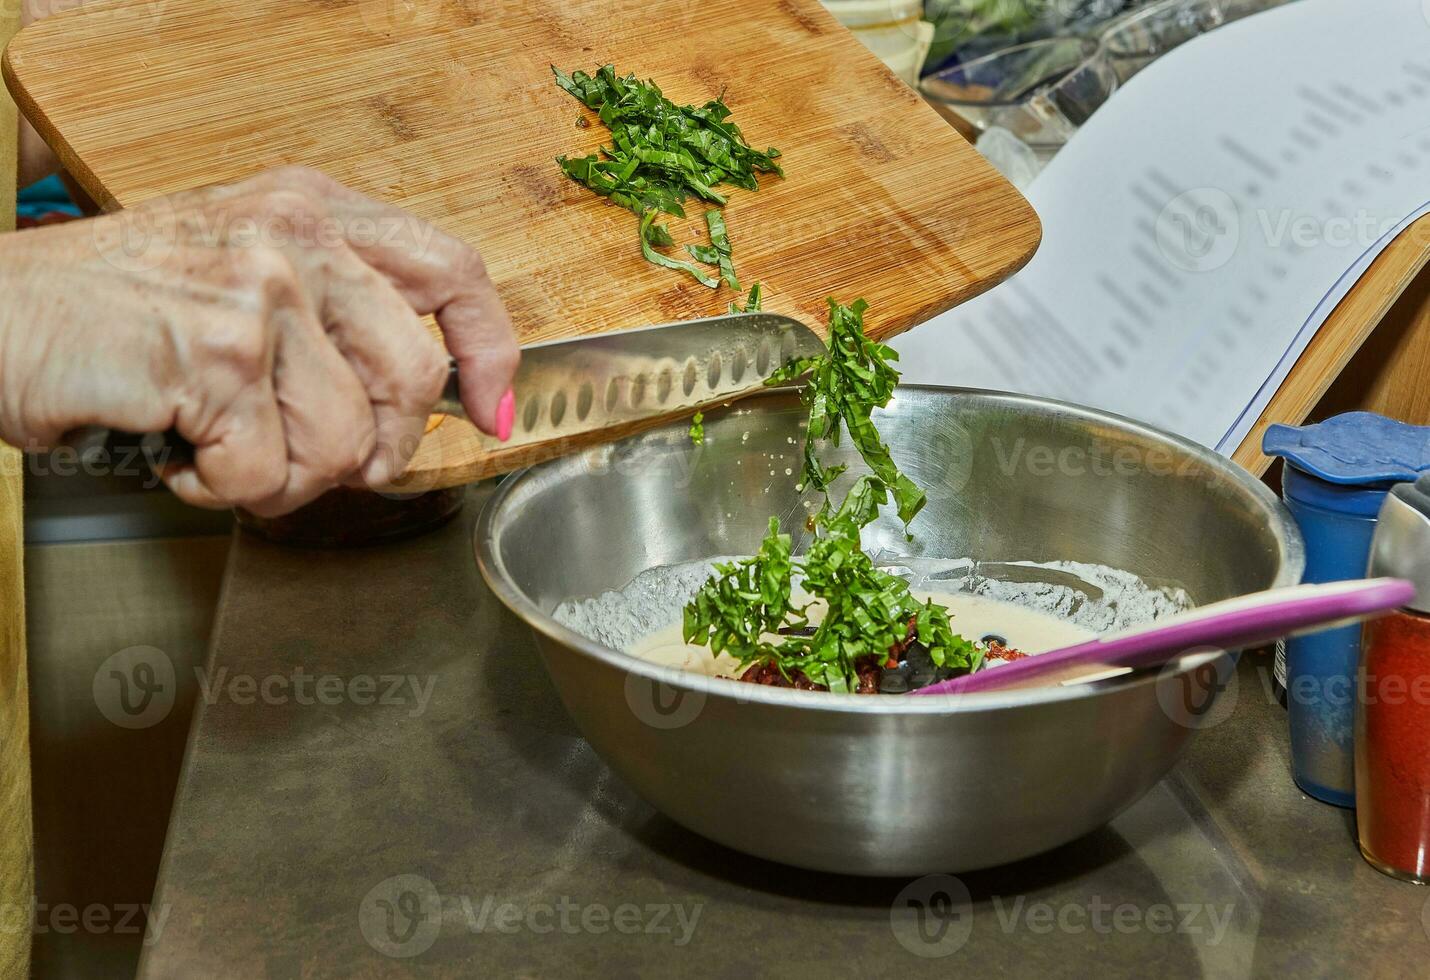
(1229, 625)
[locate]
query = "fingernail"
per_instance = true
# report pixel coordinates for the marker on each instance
(506, 415)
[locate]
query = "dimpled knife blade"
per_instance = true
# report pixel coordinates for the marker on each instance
(598, 381)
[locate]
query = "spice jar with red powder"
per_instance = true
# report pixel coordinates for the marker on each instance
(1392, 740)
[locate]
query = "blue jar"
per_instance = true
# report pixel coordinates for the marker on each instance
(1335, 478)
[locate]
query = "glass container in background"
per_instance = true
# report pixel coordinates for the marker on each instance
(968, 29)
(1040, 92)
(1335, 478)
(1393, 704)
(893, 29)
(1019, 77)
(1136, 40)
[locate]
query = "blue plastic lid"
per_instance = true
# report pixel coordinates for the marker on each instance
(1354, 449)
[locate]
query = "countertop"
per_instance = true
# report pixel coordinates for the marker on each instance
(380, 780)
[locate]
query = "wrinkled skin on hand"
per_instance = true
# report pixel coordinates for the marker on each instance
(274, 322)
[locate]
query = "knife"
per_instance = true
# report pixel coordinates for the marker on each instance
(585, 384)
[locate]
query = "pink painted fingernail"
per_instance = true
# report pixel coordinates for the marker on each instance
(506, 415)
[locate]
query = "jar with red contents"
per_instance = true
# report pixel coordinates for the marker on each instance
(1392, 741)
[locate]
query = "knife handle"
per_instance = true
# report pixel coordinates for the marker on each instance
(158, 448)
(164, 447)
(170, 446)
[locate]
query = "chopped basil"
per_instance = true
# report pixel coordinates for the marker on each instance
(752, 301)
(653, 234)
(660, 154)
(846, 383)
(868, 610)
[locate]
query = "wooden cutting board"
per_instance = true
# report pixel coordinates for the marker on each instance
(448, 108)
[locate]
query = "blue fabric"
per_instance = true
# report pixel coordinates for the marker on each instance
(1354, 449)
(44, 197)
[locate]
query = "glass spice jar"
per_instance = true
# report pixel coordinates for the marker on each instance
(1392, 741)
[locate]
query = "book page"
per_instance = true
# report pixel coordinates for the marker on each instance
(1206, 220)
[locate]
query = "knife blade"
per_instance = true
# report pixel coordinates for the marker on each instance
(585, 384)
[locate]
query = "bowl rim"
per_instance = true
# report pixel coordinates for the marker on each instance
(494, 573)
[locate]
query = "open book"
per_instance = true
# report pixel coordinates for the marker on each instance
(1204, 223)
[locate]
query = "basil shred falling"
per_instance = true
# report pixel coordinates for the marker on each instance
(846, 383)
(748, 602)
(660, 155)
(752, 301)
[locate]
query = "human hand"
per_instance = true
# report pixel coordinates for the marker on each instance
(273, 322)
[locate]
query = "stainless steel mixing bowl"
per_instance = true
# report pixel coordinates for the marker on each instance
(885, 785)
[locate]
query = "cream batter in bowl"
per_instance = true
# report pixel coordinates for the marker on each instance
(1024, 495)
(1026, 631)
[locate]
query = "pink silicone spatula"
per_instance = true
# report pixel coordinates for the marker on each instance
(1229, 625)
